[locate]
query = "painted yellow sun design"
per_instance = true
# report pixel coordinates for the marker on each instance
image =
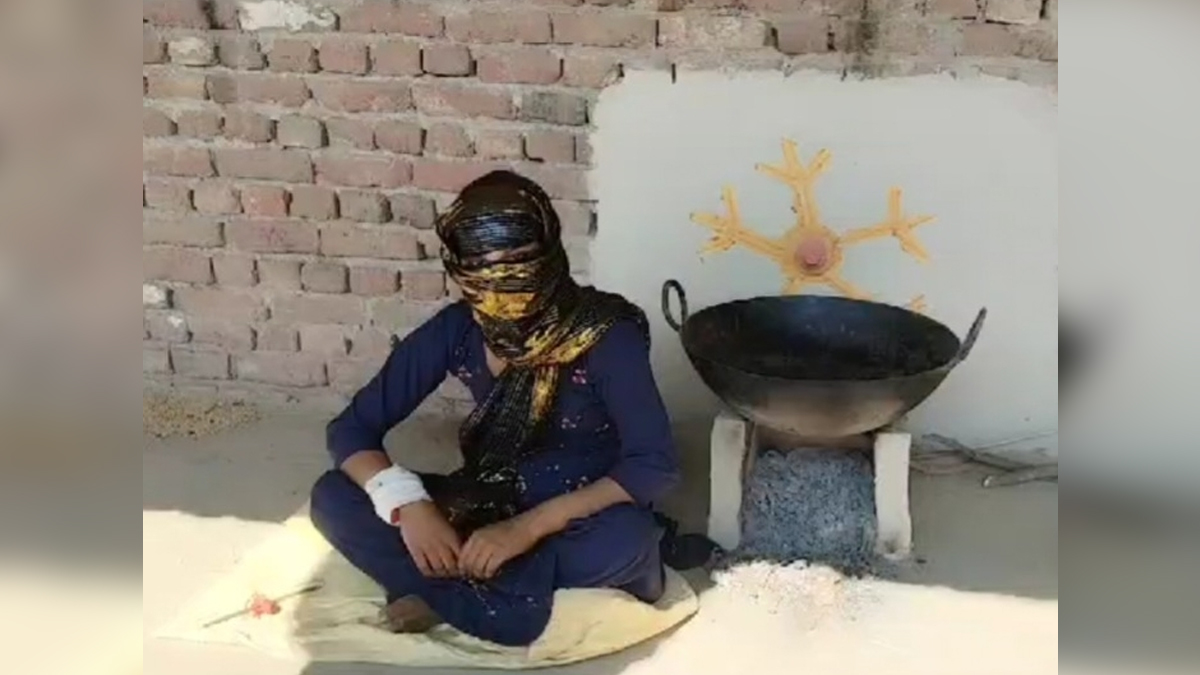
(810, 253)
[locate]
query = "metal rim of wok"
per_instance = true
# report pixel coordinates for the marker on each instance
(817, 365)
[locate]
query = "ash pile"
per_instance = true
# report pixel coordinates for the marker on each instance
(811, 505)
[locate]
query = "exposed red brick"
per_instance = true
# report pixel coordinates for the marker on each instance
(809, 35)
(840, 8)
(1023, 12)
(423, 285)
(240, 52)
(215, 198)
(292, 56)
(953, 9)
(315, 202)
(1035, 43)
(446, 60)
(989, 39)
(328, 339)
(156, 123)
(406, 138)
(282, 368)
(235, 306)
(166, 326)
(204, 124)
(222, 335)
(155, 360)
(357, 96)
(576, 218)
(168, 195)
(269, 201)
(232, 269)
(415, 210)
(554, 107)
(448, 175)
(201, 362)
(605, 29)
(708, 31)
(516, 25)
(277, 337)
(177, 161)
(154, 50)
(369, 241)
(363, 170)
(347, 375)
(371, 343)
(176, 264)
(175, 13)
(302, 309)
(181, 230)
(499, 144)
(272, 236)
(449, 140)
(400, 314)
(373, 281)
(583, 150)
(192, 51)
(381, 16)
(364, 207)
(284, 90)
(550, 145)
(338, 55)
(520, 65)
(279, 275)
(175, 84)
(560, 182)
(298, 131)
(444, 98)
(247, 125)
(290, 166)
(321, 276)
(589, 70)
(350, 133)
(396, 57)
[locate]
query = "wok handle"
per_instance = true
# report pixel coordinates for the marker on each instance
(972, 335)
(668, 286)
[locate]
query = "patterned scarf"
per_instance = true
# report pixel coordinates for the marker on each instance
(534, 316)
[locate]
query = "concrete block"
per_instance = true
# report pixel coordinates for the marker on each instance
(892, 454)
(732, 449)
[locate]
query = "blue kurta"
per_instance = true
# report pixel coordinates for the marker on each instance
(609, 420)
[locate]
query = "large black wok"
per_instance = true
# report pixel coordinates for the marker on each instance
(817, 366)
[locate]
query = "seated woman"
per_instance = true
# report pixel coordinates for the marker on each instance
(566, 450)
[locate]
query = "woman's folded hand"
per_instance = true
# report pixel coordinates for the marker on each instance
(492, 546)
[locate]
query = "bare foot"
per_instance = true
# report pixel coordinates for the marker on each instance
(410, 614)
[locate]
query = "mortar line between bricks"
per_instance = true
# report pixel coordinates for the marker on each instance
(167, 106)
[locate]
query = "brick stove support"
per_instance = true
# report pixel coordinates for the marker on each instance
(735, 442)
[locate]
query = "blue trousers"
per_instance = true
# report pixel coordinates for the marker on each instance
(616, 548)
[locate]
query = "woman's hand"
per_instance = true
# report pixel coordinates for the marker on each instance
(492, 546)
(431, 541)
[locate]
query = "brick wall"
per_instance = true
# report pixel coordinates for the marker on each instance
(291, 173)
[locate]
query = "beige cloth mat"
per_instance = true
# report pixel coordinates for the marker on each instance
(338, 622)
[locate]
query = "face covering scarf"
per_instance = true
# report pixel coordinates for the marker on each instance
(534, 316)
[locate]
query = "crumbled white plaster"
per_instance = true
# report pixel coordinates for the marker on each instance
(294, 16)
(153, 296)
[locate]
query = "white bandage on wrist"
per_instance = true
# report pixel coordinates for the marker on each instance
(392, 488)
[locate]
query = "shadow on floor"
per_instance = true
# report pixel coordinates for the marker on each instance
(998, 540)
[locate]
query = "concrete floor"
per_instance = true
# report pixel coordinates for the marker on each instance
(987, 580)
